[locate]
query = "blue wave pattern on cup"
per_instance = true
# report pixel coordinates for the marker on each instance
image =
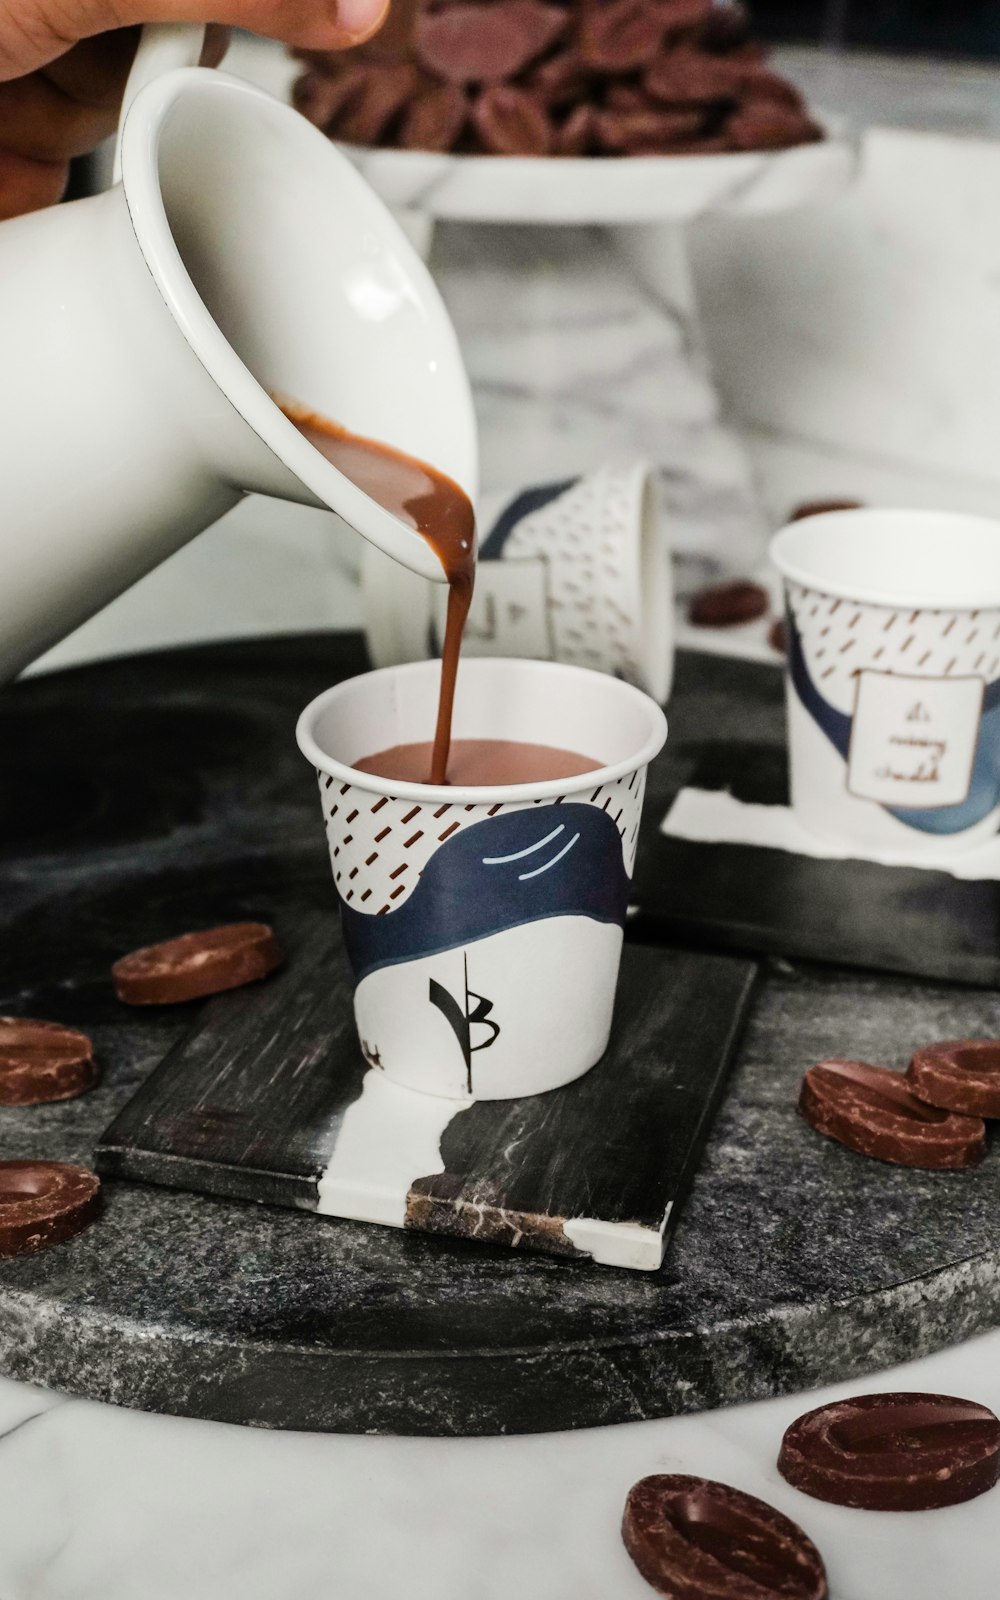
(830, 641)
(484, 937)
(504, 872)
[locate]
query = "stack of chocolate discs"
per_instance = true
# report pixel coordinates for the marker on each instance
(557, 78)
(933, 1116)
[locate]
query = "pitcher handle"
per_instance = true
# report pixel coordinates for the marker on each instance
(162, 47)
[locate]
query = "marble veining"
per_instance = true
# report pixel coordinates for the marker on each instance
(754, 1297)
(388, 1136)
(219, 1513)
(576, 356)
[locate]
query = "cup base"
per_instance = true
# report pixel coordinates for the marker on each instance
(518, 1013)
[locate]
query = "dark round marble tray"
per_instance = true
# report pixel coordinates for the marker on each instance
(142, 796)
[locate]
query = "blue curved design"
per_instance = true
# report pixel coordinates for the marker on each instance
(527, 502)
(835, 724)
(984, 785)
(544, 861)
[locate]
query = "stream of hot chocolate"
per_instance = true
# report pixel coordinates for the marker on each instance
(436, 507)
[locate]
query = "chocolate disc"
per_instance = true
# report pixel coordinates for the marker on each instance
(620, 36)
(769, 125)
(43, 1061)
(893, 1452)
(816, 508)
(486, 44)
(511, 122)
(561, 82)
(760, 83)
(385, 92)
(777, 636)
(693, 1539)
(726, 604)
(576, 136)
(197, 964)
(684, 77)
(724, 28)
(958, 1075)
(324, 99)
(44, 1202)
(872, 1111)
(435, 119)
(626, 132)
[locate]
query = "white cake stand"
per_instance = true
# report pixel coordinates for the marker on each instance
(570, 286)
(588, 191)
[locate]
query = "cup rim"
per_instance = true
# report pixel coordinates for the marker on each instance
(782, 553)
(480, 794)
(140, 140)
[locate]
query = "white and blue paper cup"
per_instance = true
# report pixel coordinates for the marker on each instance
(893, 678)
(483, 925)
(577, 571)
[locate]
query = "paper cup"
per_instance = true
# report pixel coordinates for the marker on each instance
(483, 925)
(576, 571)
(893, 685)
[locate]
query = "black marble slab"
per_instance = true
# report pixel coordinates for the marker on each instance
(257, 1102)
(727, 731)
(795, 1262)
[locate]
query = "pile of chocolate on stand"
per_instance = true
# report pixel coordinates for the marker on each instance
(557, 77)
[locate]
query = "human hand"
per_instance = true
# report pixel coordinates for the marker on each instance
(63, 66)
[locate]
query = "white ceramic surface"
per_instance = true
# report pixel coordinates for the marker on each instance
(143, 329)
(100, 1504)
(592, 190)
(894, 649)
(486, 966)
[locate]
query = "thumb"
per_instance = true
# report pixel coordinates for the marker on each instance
(35, 32)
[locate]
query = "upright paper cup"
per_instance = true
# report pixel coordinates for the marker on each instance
(483, 925)
(893, 685)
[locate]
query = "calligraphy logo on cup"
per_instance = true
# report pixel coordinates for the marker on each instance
(505, 937)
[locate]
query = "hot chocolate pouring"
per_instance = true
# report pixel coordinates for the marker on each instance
(439, 510)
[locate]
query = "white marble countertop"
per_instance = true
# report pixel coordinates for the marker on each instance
(102, 1504)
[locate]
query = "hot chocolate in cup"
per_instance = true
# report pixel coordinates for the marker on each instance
(893, 678)
(484, 923)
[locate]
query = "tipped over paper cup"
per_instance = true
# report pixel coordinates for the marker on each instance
(577, 571)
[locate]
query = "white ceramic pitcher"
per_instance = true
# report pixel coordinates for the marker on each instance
(143, 332)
